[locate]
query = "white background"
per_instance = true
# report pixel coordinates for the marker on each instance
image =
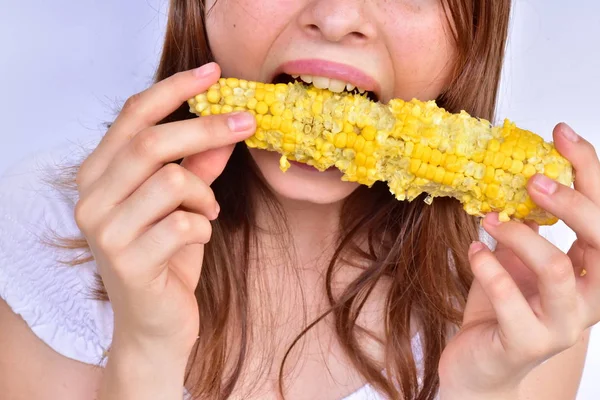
(66, 65)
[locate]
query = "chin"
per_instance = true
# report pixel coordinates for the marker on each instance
(302, 182)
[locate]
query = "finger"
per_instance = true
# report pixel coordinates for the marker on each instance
(156, 146)
(478, 307)
(170, 188)
(584, 158)
(517, 320)
(143, 110)
(531, 224)
(576, 254)
(556, 278)
(210, 164)
(569, 205)
(148, 256)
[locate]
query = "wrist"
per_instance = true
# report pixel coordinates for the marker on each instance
(166, 350)
(141, 370)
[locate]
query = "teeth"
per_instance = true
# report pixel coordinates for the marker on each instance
(321, 82)
(295, 76)
(334, 85)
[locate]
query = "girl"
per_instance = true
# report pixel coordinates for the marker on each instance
(224, 276)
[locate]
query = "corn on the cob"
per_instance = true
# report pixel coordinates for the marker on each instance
(414, 146)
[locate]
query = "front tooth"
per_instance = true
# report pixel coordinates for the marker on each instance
(336, 86)
(306, 78)
(350, 87)
(361, 91)
(295, 76)
(320, 82)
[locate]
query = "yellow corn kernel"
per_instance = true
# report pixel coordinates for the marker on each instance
(350, 139)
(368, 148)
(369, 133)
(439, 174)
(213, 96)
(415, 163)
(529, 171)
(493, 145)
(426, 154)
(552, 171)
(277, 108)
(448, 178)
(359, 144)
(371, 162)
(408, 148)
(411, 145)
(262, 108)
(361, 159)
(340, 140)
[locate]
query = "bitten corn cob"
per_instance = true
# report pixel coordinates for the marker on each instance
(414, 146)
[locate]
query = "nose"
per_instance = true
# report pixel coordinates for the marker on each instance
(338, 20)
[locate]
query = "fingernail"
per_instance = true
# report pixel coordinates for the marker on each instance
(492, 219)
(544, 184)
(205, 70)
(240, 121)
(217, 210)
(476, 247)
(569, 133)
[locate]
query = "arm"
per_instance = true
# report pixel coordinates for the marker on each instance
(559, 377)
(29, 369)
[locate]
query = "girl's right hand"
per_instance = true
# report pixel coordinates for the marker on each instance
(147, 219)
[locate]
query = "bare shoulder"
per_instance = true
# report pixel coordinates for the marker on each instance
(29, 369)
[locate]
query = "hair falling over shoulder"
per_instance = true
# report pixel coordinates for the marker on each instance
(420, 249)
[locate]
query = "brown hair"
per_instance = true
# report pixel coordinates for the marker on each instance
(422, 255)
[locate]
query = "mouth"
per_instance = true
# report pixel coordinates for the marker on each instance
(323, 82)
(337, 77)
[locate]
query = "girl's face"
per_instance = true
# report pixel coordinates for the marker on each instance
(393, 48)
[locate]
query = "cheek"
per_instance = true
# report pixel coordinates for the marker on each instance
(241, 33)
(424, 52)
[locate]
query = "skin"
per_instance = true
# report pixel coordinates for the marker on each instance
(151, 287)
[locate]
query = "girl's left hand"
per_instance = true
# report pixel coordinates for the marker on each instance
(528, 301)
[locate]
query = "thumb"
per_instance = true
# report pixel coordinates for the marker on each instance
(209, 164)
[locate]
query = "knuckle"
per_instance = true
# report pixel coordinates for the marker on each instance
(146, 144)
(569, 337)
(214, 125)
(180, 222)
(80, 213)
(537, 349)
(559, 268)
(205, 231)
(173, 177)
(105, 238)
(501, 287)
(132, 104)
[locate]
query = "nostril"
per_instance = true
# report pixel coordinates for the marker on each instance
(313, 28)
(358, 35)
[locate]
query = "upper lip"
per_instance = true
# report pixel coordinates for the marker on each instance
(329, 69)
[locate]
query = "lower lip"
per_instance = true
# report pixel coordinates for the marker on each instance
(307, 167)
